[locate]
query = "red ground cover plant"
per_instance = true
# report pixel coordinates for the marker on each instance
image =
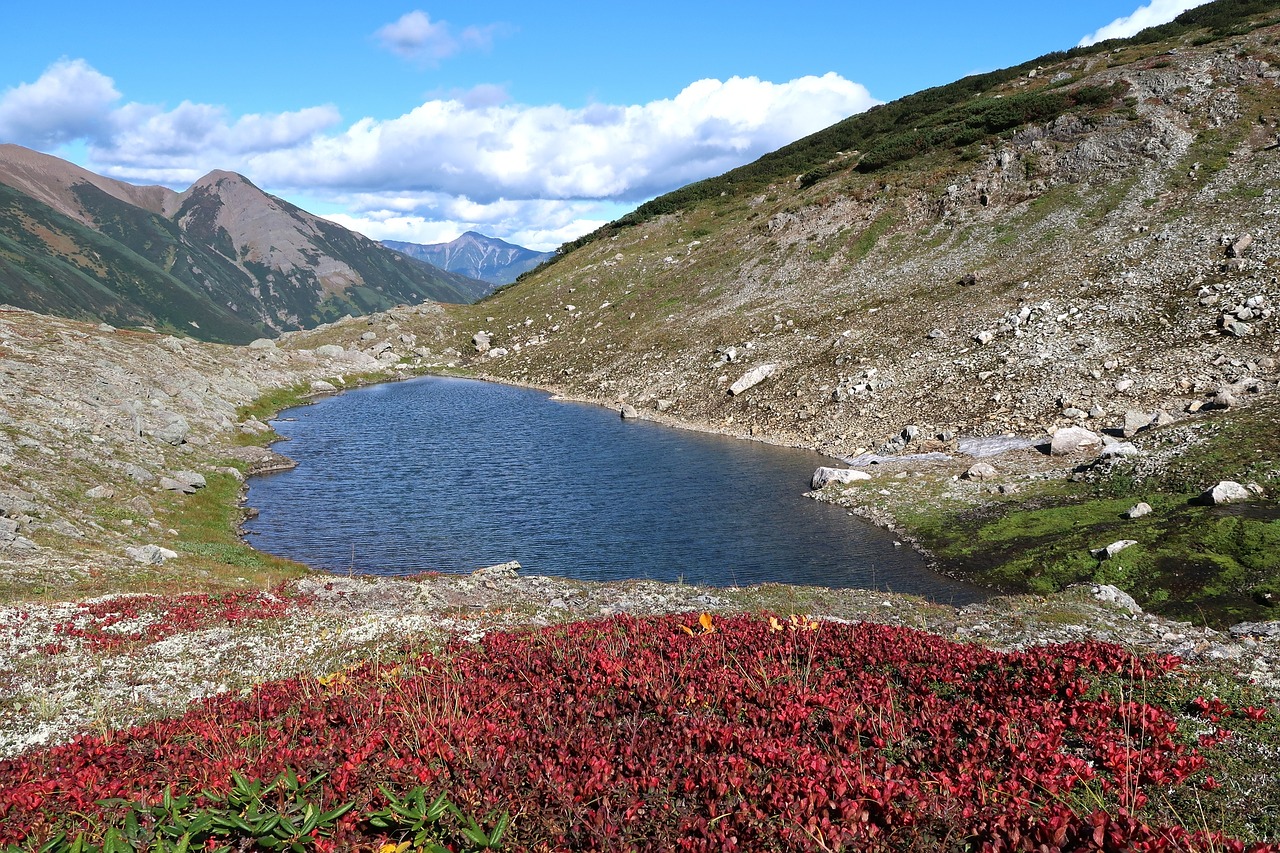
(98, 624)
(646, 734)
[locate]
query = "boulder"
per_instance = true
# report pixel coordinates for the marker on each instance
(172, 429)
(664, 405)
(752, 378)
(1239, 247)
(169, 484)
(1071, 439)
(100, 492)
(262, 343)
(1108, 594)
(1134, 422)
(1114, 548)
(1120, 449)
(981, 471)
(1256, 629)
(1226, 492)
(628, 411)
(320, 386)
(330, 351)
(138, 473)
(823, 476)
(500, 572)
(191, 478)
(141, 506)
(1138, 510)
(152, 555)
(480, 340)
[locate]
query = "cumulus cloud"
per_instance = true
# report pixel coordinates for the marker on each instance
(630, 152)
(70, 100)
(536, 174)
(1151, 15)
(419, 39)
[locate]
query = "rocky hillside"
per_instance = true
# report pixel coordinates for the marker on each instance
(477, 256)
(222, 260)
(1085, 241)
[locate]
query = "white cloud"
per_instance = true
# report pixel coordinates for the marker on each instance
(535, 174)
(419, 39)
(1151, 15)
(70, 100)
(487, 152)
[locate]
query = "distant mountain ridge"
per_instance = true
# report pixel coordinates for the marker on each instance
(222, 260)
(476, 256)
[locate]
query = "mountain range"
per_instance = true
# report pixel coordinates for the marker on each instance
(476, 256)
(222, 260)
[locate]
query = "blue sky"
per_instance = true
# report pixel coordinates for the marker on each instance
(532, 122)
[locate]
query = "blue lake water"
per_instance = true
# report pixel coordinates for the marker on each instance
(440, 474)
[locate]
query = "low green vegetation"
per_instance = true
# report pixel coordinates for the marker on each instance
(1212, 564)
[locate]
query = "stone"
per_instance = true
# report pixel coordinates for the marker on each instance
(1256, 629)
(173, 429)
(368, 336)
(1135, 422)
(1074, 414)
(138, 473)
(191, 478)
(1120, 449)
(1237, 329)
(664, 405)
(981, 471)
(1162, 419)
(141, 506)
(1123, 385)
(330, 351)
(752, 378)
(1226, 492)
(1224, 398)
(1138, 510)
(100, 492)
(1239, 247)
(823, 476)
(262, 343)
(628, 411)
(1071, 439)
(500, 572)
(480, 340)
(1114, 548)
(169, 484)
(984, 337)
(152, 555)
(1116, 597)
(320, 386)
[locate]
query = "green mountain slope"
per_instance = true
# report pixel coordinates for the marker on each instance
(222, 261)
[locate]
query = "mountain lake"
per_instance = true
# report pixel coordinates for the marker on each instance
(448, 475)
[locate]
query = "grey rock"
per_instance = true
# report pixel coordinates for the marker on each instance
(1162, 419)
(1224, 398)
(1237, 329)
(320, 386)
(1072, 439)
(173, 429)
(141, 506)
(480, 340)
(628, 411)
(152, 555)
(1134, 422)
(981, 471)
(500, 572)
(752, 378)
(1138, 510)
(1123, 385)
(368, 336)
(1120, 449)
(1256, 629)
(100, 492)
(984, 337)
(823, 476)
(1226, 492)
(138, 473)
(664, 405)
(262, 343)
(1114, 548)
(191, 478)
(171, 485)
(330, 351)
(1116, 597)
(1239, 247)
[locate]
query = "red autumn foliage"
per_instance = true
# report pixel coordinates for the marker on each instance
(97, 623)
(629, 734)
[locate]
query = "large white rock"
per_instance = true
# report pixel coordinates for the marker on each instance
(1114, 548)
(837, 475)
(1071, 439)
(150, 554)
(1226, 492)
(752, 378)
(1108, 594)
(1138, 510)
(981, 471)
(330, 351)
